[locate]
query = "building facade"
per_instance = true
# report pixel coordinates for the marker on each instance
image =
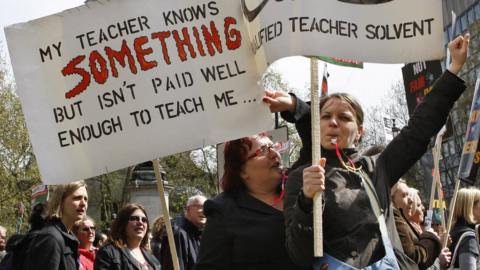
(468, 20)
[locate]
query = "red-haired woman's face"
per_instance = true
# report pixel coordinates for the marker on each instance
(263, 165)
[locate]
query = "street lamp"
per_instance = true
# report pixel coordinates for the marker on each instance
(395, 129)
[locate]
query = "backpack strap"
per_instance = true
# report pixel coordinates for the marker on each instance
(462, 237)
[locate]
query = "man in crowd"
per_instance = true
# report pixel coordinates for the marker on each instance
(186, 231)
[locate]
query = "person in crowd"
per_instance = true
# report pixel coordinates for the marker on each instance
(17, 245)
(3, 242)
(416, 215)
(85, 232)
(128, 241)
(245, 226)
(100, 239)
(357, 190)
(187, 231)
(54, 246)
(422, 247)
(466, 215)
(7, 262)
(158, 232)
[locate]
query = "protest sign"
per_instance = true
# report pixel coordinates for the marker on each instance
(412, 31)
(114, 83)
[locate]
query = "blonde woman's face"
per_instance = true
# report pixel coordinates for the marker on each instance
(74, 206)
(476, 211)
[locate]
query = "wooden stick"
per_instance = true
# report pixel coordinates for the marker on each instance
(450, 216)
(316, 154)
(166, 215)
(441, 202)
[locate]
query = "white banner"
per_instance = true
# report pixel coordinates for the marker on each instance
(115, 83)
(395, 31)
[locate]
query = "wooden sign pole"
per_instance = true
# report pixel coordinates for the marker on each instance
(316, 155)
(166, 215)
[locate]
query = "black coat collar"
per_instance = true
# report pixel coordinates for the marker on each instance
(127, 254)
(69, 238)
(245, 200)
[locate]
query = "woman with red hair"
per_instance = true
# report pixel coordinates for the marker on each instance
(245, 226)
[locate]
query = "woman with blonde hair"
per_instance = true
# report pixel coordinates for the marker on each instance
(85, 231)
(465, 216)
(55, 247)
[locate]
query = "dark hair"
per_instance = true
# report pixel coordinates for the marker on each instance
(235, 156)
(158, 228)
(350, 100)
(373, 150)
(117, 234)
(37, 219)
(98, 237)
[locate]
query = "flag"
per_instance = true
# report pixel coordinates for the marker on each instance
(341, 62)
(324, 81)
(39, 194)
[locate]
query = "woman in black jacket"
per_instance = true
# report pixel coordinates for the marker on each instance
(245, 227)
(466, 216)
(128, 243)
(354, 231)
(54, 246)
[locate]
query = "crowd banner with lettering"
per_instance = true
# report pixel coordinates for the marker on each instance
(114, 83)
(412, 31)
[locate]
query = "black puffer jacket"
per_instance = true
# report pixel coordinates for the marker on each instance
(350, 228)
(53, 249)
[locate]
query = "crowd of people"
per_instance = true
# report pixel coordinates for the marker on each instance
(263, 219)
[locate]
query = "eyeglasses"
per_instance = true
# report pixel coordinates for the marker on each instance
(137, 219)
(264, 150)
(91, 228)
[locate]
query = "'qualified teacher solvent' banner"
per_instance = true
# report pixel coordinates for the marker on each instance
(114, 83)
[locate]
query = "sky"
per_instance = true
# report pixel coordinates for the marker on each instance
(368, 84)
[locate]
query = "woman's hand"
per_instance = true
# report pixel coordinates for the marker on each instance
(314, 179)
(458, 52)
(279, 101)
(445, 257)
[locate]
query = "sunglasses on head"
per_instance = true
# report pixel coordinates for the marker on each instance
(87, 229)
(138, 218)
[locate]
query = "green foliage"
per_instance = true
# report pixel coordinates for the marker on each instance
(188, 179)
(18, 169)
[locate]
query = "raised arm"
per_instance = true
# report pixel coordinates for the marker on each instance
(428, 118)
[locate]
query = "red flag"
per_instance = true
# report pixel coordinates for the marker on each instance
(324, 81)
